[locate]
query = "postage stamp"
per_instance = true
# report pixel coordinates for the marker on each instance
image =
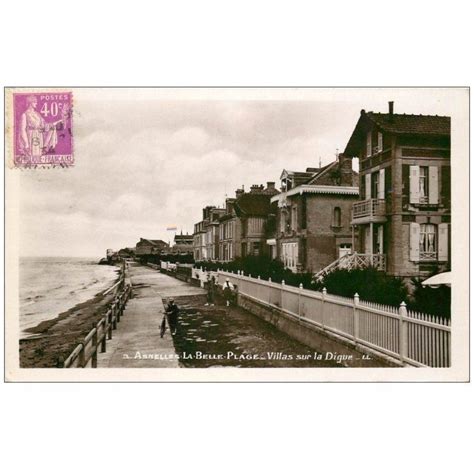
(43, 129)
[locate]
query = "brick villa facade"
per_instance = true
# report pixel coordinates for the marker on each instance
(313, 216)
(404, 217)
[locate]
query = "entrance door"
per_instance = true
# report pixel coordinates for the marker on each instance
(344, 249)
(367, 238)
(378, 239)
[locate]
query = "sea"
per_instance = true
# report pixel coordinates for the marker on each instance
(52, 285)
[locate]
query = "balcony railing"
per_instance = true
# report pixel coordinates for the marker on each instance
(352, 261)
(368, 208)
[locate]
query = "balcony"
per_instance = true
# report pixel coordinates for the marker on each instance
(370, 210)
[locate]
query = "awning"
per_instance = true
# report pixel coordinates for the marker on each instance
(437, 280)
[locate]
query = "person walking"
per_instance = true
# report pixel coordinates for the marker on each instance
(171, 314)
(210, 290)
(227, 287)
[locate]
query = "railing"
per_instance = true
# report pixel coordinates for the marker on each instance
(86, 351)
(171, 267)
(202, 275)
(414, 339)
(368, 208)
(352, 261)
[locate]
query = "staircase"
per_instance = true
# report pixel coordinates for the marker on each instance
(352, 261)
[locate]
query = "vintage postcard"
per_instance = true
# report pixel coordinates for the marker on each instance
(226, 234)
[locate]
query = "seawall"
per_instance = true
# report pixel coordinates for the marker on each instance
(315, 337)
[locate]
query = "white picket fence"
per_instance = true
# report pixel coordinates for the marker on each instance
(415, 339)
(202, 275)
(168, 266)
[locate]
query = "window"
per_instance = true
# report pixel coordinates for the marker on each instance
(369, 143)
(424, 180)
(375, 184)
(294, 218)
(284, 221)
(424, 184)
(379, 142)
(289, 255)
(336, 220)
(427, 242)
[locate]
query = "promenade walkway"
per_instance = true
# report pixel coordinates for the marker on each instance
(136, 342)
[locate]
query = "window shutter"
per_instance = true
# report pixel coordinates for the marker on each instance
(414, 241)
(381, 184)
(433, 185)
(368, 186)
(446, 186)
(443, 242)
(414, 184)
(369, 143)
(379, 142)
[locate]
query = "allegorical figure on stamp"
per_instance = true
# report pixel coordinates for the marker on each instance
(36, 137)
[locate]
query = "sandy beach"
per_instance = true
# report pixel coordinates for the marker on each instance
(52, 341)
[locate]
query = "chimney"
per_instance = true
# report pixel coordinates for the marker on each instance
(390, 110)
(345, 168)
(271, 185)
(239, 192)
(255, 188)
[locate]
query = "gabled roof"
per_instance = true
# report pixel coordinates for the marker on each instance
(297, 175)
(398, 124)
(418, 124)
(183, 237)
(252, 205)
(152, 242)
(321, 172)
(317, 178)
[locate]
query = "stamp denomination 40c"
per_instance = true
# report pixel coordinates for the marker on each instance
(43, 129)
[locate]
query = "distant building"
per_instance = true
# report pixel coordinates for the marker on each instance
(150, 247)
(253, 209)
(313, 216)
(127, 252)
(405, 180)
(229, 232)
(205, 237)
(183, 244)
(242, 227)
(110, 253)
(212, 216)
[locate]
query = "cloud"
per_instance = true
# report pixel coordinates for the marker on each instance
(145, 164)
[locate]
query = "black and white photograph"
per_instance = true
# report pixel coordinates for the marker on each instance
(237, 237)
(308, 230)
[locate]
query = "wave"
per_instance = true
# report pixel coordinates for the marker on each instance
(51, 286)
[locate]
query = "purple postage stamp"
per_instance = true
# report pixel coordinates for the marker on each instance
(43, 134)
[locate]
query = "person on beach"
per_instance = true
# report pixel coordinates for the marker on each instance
(210, 290)
(227, 287)
(171, 313)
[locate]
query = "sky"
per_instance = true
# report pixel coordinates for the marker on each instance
(147, 159)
